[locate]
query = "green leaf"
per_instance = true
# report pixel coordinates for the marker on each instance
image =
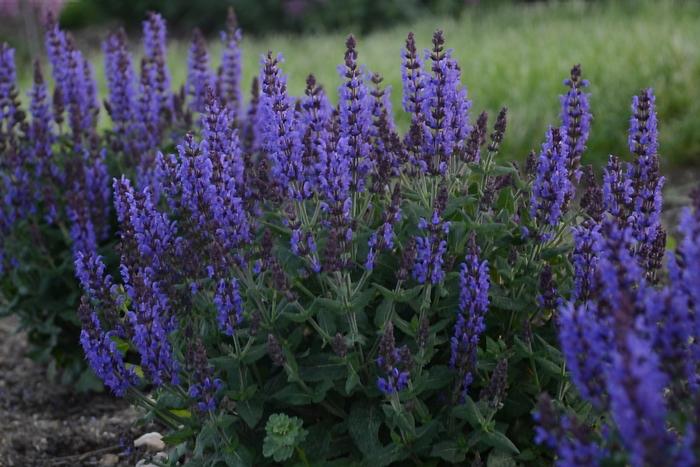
(363, 425)
(382, 313)
(507, 303)
(292, 394)
(352, 381)
(437, 377)
(250, 410)
(449, 451)
(182, 413)
(326, 319)
(548, 366)
(498, 440)
(500, 459)
(207, 437)
(402, 296)
(255, 353)
(470, 412)
(322, 368)
(179, 436)
(360, 301)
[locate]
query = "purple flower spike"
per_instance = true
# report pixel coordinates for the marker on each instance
(576, 122)
(199, 77)
(355, 104)
(229, 74)
(120, 82)
(552, 182)
(473, 305)
(394, 363)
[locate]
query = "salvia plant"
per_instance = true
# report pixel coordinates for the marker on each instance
(295, 281)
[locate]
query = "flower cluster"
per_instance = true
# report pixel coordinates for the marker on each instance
(626, 339)
(473, 304)
(302, 255)
(395, 364)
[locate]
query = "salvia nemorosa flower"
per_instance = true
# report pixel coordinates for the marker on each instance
(223, 146)
(41, 139)
(572, 441)
(315, 114)
(57, 51)
(668, 316)
(394, 363)
(495, 392)
(121, 85)
(584, 259)
(80, 96)
(584, 341)
(635, 386)
(152, 233)
(423, 332)
(229, 73)
(90, 271)
(229, 305)
(684, 273)
(432, 246)
(552, 183)
(620, 278)
(383, 239)
(355, 118)
(82, 227)
(102, 353)
(445, 107)
(548, 297)
(281, 138)
(477, 137)
(412, 78)
(408, 259)
(473, 304)
(592, 198)
(155, 54)
(274, 351)
(204, 179)
(16, 189)
(251, 129)
(576, 121)
(387, 150)
(152, 323)
(617, 191)
(646, 181)
(499, 130)
(204, 385)
(339, 345)
(199, 77)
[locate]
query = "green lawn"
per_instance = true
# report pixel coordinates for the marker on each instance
(519, 55)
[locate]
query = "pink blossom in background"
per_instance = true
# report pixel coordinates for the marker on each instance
(42, 7)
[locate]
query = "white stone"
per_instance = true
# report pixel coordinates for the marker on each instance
(109, 460)
(152, 441)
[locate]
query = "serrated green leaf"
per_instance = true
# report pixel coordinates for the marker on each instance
(449, 451)
(500, 459)
(363, 425)
(470, 412)
(498, 440)
(250, 410)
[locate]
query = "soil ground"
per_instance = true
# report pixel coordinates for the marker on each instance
(43, 424)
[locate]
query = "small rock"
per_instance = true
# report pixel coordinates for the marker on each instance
(152, 441)
(160, 457)
(108, 460)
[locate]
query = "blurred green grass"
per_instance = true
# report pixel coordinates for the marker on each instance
(518, 56)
